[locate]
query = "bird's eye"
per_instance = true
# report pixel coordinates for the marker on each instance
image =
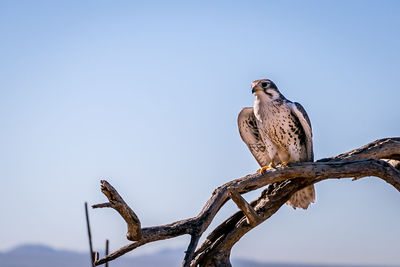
(264, 84)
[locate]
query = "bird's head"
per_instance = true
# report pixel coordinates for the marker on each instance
(265, 88)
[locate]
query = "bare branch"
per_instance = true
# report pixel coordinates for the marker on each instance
(363, 162)
(119, 252)
(103, 205)
(92, 256)
(387, 148)
(107, 247)
(194, 240)
(116, 202)
(230, 231)
(251, 214)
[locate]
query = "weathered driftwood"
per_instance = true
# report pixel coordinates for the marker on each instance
(379, 158)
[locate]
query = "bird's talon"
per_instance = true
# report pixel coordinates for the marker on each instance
(261, 170)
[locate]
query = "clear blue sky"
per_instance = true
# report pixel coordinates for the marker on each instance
(146, 94)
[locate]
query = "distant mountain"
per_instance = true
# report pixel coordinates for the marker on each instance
(44, 256)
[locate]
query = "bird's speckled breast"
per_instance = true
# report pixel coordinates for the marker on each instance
(277, 123)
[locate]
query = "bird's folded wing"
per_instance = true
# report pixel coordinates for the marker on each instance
(251, 136)
(305, 122)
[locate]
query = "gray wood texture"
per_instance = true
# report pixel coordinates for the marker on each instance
(379, 159)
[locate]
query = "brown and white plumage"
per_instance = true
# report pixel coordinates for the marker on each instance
(278, 131)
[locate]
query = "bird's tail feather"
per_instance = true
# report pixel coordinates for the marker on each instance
(302, 198)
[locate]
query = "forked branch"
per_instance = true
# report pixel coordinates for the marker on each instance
(369, 160)
(116, 202)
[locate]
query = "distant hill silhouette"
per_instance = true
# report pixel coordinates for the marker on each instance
(44, 256)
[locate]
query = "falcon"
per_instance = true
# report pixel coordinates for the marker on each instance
(277, 131)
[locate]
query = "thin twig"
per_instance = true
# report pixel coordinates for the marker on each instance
(107, 243)
(92, 257)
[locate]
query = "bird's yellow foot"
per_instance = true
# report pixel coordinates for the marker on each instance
(266, 168)
(283, 164)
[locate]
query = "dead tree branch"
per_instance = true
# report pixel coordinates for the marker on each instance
(252, 217)
(369, 160)
(116, 202)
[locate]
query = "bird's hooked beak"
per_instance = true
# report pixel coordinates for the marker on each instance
(255, 88)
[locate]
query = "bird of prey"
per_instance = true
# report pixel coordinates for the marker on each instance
(277, 131)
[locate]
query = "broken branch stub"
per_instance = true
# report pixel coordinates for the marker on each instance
(116, 202)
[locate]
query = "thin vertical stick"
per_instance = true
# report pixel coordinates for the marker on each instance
(89, 234)
(107, 251)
